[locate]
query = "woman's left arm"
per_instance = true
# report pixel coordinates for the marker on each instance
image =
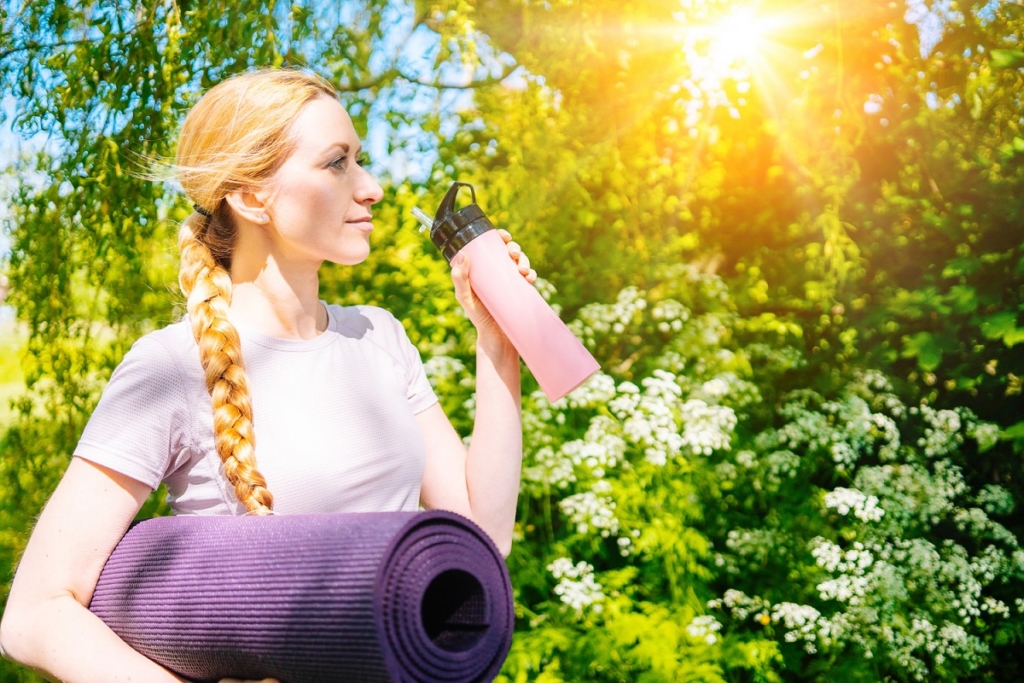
(483, 483)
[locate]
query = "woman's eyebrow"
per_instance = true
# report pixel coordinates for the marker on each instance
(344, 146)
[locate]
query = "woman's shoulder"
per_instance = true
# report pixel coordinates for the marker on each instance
(372, 321)
(171, 346)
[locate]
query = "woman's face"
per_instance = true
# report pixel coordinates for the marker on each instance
(319, 200)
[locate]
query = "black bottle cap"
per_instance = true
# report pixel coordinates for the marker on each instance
(452, 230)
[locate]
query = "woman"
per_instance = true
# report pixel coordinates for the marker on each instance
(344, 415)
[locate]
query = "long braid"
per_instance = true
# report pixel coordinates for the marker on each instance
(234, 138)
(207, 285)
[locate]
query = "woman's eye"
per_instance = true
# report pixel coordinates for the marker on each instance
(339, 163)
(364, 159)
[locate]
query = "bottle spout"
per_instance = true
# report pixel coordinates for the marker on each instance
(424, 219)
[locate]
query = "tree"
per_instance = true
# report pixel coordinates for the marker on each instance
(793, 253)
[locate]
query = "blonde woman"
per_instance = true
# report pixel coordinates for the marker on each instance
(330, 410)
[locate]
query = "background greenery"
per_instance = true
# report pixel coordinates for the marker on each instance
(797, 256)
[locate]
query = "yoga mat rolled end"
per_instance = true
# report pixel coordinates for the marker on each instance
(464, 629)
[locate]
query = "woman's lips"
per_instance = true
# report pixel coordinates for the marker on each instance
(362, 223)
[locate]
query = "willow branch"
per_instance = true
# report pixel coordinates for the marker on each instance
(64, 43)
(395, 73)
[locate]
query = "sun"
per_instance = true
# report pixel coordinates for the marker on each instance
(736, 37)
(738, 45)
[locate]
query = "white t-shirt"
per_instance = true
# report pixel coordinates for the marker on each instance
(333, 418)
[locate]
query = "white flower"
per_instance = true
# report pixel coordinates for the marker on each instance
(985, 433)
(889, 434)
(649, 419)
(995, 607)
(600, 449)
(670, 311)
(443, 369)
(843, 454)
(706, 428)
(858, 558)
(740, 605)
(726, 471)
(549, 468)
(715, 388)
(864, 508)
(597, 390)
(576, 585)
(801, 622)
(747, 459)
(602, 319)
(756, 545)
(782, 465)
(942, 436)
(844, 588)
(588, 510)
(704, 628)
(996, 500)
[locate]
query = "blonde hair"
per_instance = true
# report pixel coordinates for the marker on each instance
(235, 137)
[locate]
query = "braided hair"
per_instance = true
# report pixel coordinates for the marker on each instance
(235, 137)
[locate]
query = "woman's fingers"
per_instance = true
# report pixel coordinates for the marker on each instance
(519, 256)
(514, 250)
(516, 253)
(524, 263)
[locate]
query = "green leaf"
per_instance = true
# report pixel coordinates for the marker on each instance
(1006, 59)
(963, 299)
(1003, 326)
(1014, 337)
(961, 266)
(977, 106)
(1013, 432)
(925, 348)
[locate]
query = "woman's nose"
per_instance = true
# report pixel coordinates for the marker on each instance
(369, 189)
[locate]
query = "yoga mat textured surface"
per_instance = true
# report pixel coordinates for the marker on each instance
(360, 597)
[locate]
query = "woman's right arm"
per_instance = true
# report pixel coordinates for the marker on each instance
(47, 625)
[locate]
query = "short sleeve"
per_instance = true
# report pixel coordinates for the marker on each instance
(141, 426)
(418, 390)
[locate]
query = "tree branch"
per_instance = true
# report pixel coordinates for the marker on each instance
(64, 43)
(395, 73)
(49, 46)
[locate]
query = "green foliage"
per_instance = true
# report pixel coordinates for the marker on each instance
(11, 382)
(671, 530)
(799, 267)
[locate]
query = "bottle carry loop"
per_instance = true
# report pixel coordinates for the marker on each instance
(452, 230)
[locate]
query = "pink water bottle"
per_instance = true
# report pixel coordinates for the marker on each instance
(555, 356)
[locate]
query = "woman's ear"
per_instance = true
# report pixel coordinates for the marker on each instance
(248, 206)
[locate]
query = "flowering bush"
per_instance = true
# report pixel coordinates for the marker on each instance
(675, 525)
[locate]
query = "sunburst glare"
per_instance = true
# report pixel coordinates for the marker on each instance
(737, 37)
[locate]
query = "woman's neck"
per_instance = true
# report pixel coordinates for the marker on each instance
(278, 301)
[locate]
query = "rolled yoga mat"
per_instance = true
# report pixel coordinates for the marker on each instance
(356, 597)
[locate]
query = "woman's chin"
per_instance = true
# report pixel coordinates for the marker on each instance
(351, 257)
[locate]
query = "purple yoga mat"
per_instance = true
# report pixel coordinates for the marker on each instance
(358, 597)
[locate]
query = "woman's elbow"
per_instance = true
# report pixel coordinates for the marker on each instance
(503, 542)
(13, 640)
